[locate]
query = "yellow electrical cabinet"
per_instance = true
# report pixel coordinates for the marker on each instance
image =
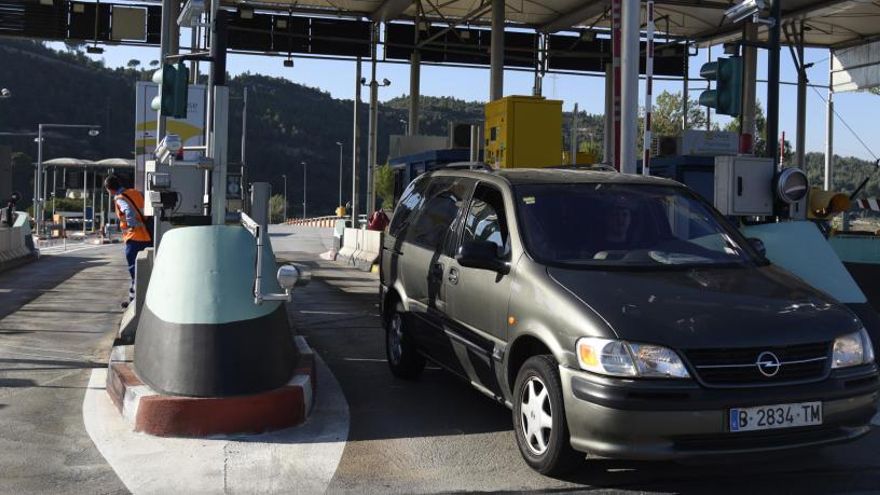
(523, 131)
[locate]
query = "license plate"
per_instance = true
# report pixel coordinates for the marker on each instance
(776, 416)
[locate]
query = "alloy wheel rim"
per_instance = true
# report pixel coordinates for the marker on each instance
(395, 338)
(536, 415)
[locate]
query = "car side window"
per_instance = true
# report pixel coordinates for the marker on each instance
(412, 199)
(445, 197)
(486, 219)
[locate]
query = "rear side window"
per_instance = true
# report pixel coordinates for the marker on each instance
(445, 198)
(412, 199)
(486, 219)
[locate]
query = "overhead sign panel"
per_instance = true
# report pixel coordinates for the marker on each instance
(459, 45)
(856, 68)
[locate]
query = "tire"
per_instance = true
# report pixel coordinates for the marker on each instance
(546, 446)
(400, 350)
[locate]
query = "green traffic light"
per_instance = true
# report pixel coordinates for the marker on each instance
(726, 99)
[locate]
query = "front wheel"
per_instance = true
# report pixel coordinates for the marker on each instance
(403, 358)
(539, 418)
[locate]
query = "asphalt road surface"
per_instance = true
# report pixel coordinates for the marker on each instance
(440, 435)
(57, 317)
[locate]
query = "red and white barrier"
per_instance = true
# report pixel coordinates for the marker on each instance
(322, 222)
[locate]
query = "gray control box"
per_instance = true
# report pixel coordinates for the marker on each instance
(184, 178)
(744, 185)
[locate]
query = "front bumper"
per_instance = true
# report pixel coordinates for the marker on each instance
(669, 419)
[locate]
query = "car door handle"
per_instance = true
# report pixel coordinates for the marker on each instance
(453, 276)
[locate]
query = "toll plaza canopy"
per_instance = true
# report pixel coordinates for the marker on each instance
(341, 27)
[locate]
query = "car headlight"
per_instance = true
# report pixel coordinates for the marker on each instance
(852, 350)
(619, 358)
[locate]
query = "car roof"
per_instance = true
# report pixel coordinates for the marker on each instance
(518, 176)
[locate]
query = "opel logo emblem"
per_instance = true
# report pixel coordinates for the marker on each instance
(768, 364)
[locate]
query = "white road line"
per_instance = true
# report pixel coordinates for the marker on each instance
(307, 312)
(302, 459)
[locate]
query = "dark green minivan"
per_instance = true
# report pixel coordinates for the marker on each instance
(619, 316)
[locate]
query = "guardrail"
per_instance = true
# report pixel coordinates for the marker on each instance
(325, 222)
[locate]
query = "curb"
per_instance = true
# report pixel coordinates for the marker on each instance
(148, 411)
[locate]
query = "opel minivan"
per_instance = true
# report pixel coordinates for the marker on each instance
(617, 315)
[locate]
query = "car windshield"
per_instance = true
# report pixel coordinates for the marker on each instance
(606, 224)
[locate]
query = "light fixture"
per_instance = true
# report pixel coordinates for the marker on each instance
(47, 2)
(79, 8)
(5, 93)
(744, 10)
(191, 13)
(281, 23)
(465, 34)
(94, 132)
(288, 62)
(423, 26)
(588, 35)
(245, 13)
(94, 50)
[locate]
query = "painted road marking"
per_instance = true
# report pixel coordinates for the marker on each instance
(307, 312)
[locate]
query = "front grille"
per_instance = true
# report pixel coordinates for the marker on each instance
(738, 366)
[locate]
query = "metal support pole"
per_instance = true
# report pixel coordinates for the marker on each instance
(709, 87)
(829, 125)
(54, 189)
(355, 145)
(340, 174)
(38, 207)
(243, 134)
(629, 102)
(801, 128)
(220, 143)
(772, 137)
(305, 188)
(616, 40)
(94, 190)
(748, 126)
(85, 195)
(165, 44)
(415, 69)
(496, 52)
(572, 150)
(649, 89)
(285, 197)
(608, 134)
(373, 123)
(684, 89)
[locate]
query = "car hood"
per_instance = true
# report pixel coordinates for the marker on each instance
(709, 307)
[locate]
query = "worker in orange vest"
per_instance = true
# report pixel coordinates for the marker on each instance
(136, 232)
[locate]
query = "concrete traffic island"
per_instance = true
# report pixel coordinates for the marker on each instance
(213, 354)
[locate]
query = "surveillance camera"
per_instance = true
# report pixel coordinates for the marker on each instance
(363, 80)
(744, 10)
(5, 93)
(386, 82)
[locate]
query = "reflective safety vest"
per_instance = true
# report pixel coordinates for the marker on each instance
(136, 200)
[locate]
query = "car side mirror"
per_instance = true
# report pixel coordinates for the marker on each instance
(758, 245)
(482, 255)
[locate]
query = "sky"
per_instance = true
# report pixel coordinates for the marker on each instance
(337, 78)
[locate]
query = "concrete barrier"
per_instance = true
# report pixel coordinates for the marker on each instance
(360, 248)
(16, 247)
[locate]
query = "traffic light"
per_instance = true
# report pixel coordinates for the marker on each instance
(823, 204)
(173, 97)
(726, 99)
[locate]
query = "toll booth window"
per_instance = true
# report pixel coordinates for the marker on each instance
(435, 219)
(486, 220)
(493, 134)
(412, 199)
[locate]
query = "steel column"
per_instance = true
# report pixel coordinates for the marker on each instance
(608, 133)
(38, 206)
(629, 101)
(829, 124)
(373, 123)
(415, 69)
(572, 144)
(748, 127)
(616, 6)
(649, 88)
(772, 137)
(496, 52)
(355, 145)
(801, 128)
(220, 144)
(684, 89)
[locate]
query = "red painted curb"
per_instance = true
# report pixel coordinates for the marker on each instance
(153, 413)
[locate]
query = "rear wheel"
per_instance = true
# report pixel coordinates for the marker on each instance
(403, 358)
(539, 418)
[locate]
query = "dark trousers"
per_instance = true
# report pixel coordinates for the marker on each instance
(132, 248)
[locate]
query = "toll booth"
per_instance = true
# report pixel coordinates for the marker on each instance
(696, 172)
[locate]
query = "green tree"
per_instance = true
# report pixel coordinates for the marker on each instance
(133, 63)
(385, 186)
(760, 135)
(276, 209)
(667, 112)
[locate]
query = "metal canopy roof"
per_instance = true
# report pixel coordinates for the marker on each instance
(828, 23)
